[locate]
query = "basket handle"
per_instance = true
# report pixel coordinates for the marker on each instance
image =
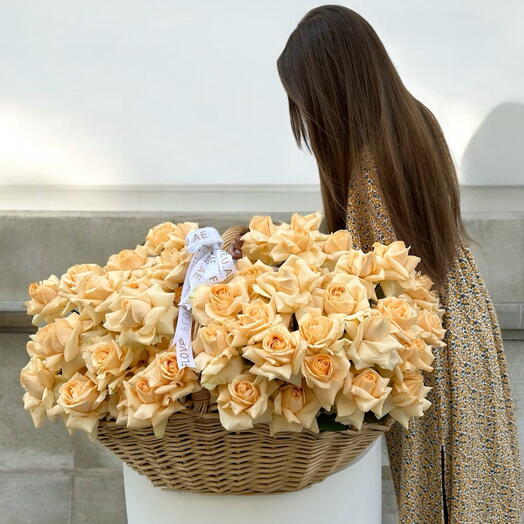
(231, 234)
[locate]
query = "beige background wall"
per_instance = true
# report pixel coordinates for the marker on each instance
(152, 92)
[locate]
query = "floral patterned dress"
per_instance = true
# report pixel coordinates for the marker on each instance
(460, 462)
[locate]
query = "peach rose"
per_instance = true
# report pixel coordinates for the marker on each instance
(397, 264)
(278, 355)
(337, 244)
(319, 331)
(217, 369)
(42, 293)
(108, 361)
(168, 235)
(158, 236)
(140, 279)
(345, 294)
(250, 272)
(416, 355)
(46, 304)
(362, 392)
(213, 338)
(325, 371)
(81, 404)
(256, 244)
(244, 402)
(289, 288)
(398, 311)
(169, 269)
(39, 382)
(166, 270)
(309, 222)
(168, 379)
(219, 301)
(68, 281)
(152, 395)
(254, 320)
(177, 238)
(57, 343)
(137, 279)
(93, 294)
(141, 317)
(91, 288)
(371, 342)
(295, 409)
(217, 359)
(363, 265)
(429, 328)
(300, 238)
(128, 259)
(408, 398)
(309, 279)
(421, 293)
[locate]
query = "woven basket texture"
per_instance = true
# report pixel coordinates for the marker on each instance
(197, 454)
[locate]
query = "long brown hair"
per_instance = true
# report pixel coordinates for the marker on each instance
(346, 98)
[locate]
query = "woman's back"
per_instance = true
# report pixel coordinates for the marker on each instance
(462, 458)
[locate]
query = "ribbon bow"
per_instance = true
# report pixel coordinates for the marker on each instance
(209, 264)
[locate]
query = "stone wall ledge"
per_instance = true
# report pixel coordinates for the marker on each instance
(188, 198)
(35, 244)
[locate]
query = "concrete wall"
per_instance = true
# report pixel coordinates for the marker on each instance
(48, 477)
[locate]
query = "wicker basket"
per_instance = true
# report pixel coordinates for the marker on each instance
(197, 454)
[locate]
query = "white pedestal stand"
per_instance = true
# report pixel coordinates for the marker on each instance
(352, 495)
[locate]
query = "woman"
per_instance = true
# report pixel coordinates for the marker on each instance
(386, 173)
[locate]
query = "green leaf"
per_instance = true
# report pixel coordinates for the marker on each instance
(380, 292)
(327, 422)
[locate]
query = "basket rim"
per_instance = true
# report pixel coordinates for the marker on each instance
(381, 425)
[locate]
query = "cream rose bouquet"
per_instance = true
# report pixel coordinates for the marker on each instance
(307, 329)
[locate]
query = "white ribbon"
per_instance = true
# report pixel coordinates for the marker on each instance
(209, 264)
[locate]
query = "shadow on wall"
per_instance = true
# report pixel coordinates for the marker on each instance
(495, 153)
